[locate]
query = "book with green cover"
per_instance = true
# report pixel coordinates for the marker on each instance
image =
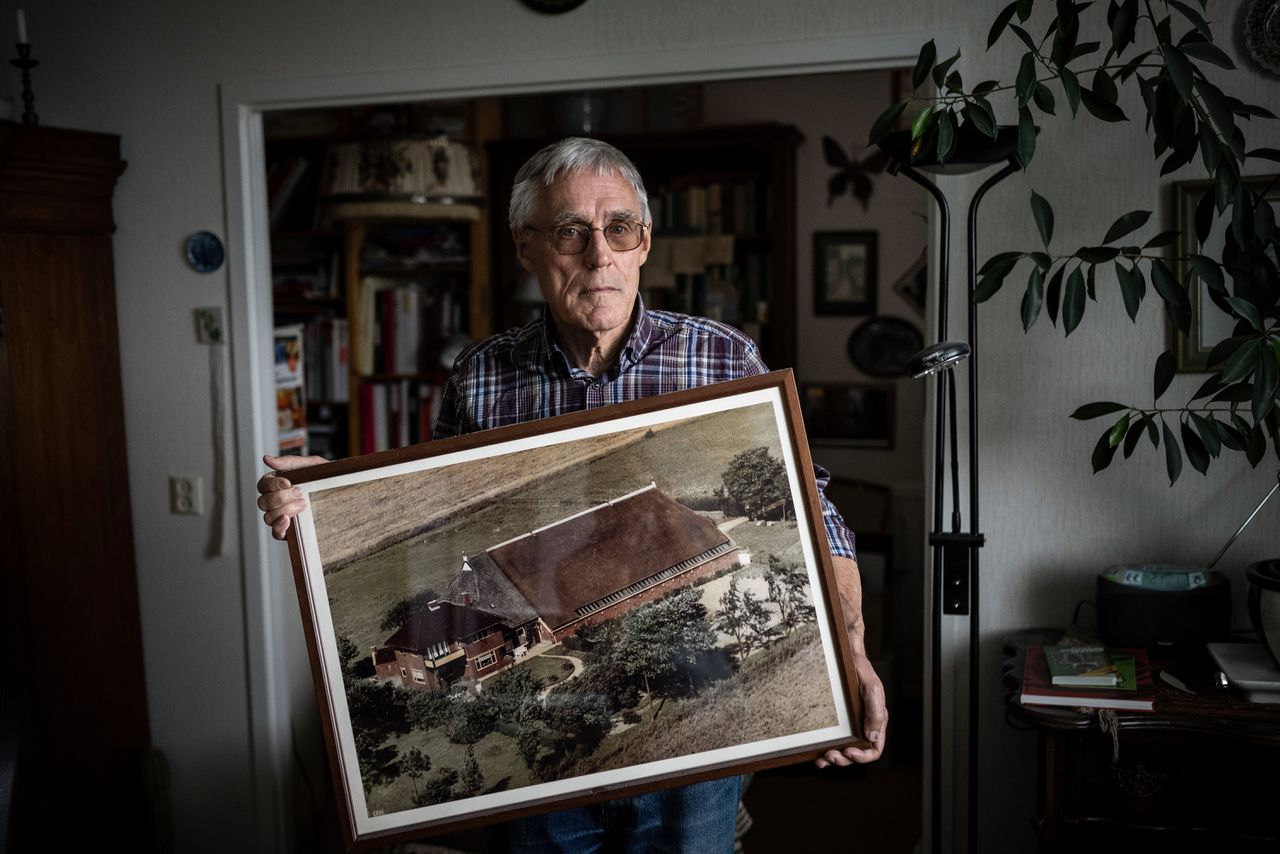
(1081, 665)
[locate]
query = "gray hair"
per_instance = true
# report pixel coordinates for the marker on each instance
(574, 154)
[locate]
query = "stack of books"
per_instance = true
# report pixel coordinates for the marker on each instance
(1092, 677)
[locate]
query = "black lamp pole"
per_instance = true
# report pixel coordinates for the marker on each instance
(955, 553)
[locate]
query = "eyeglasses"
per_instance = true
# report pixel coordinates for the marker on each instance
(573, 238)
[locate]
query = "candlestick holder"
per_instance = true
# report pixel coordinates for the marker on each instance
(26, 63)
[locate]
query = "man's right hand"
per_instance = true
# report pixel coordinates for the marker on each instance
(280, 501)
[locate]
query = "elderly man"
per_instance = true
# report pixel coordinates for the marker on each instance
(580, 219)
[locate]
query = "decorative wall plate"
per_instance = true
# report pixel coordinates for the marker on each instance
(880, 347)
(204, 252)
(1262, 33)
(552, 7)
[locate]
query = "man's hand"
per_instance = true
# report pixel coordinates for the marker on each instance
(875, 716)
(280, 501)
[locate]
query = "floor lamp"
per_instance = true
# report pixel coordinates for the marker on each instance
(955, 552)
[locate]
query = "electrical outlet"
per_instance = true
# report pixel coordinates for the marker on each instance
(186, 494)
(209, 325)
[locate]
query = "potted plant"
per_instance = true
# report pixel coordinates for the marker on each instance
(1160, 47)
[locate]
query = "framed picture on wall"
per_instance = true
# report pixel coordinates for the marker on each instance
(1208, 324)
(854, 414)
(844, 272)
(572, 609)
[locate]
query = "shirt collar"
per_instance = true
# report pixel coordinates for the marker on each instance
(540, 345)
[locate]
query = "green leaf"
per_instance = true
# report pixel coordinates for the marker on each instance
(1173, 294)
(1118, 430)
(1043, 261)
(1091, 279)
(1025, 83)
(1265, 381)
(984, 87)
(1032, 298)
(1247, 310)
(885, 122)
(1208, 52)
(1002, 20)
(1210, 149)
(1210, 386)
(1230, 436)
(1024, 9)
(1103, 452)
(1164, 238)
(1172, 455)
(1070, 88)
(1196, 453)
(1053, 295)
(1042, 211)
(1135, 435)
(1097, 410)
(1122, 26)
(922, 122)
(1208, 270)
(1153, 433)
(1223, 349)
(979, 118)
(1272, 154)
(946, 136)
(1097, 254)
(941, 69)
(834, 154)
(1179, 71)
(1073, 301)
(1257, 447)
(1193, 16)
(1104, 87)
(1165, 366)
(1043, 96)
(1238, 393)
(1216, 103)
(1101, 109)
(1126, 224)
(1000, 259)
(1024, 36)
(928, 54)
(991, 282)
(1203, 218)
(1026, 136)
(1132, 289)
(1208, 433)
(1242, 361)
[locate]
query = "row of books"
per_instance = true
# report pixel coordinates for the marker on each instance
(407, 324)
(397, 413)
(326, 368)
(1089, 677)
(715, 208)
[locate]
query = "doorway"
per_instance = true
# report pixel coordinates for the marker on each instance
(885, 480)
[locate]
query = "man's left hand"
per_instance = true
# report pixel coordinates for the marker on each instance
(875, 715)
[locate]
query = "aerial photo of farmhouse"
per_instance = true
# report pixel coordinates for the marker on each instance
(536, 616)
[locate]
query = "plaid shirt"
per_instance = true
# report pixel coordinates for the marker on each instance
(522, 374)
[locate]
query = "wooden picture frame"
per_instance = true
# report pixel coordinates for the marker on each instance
(845, 269)
(859, 415)
(428, 576)
(1208, 324)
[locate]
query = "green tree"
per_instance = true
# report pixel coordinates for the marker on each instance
(427, 709)
(472, 777)
(744, 617)
(415, 765)
(472, 720)
(664, 638)
(789, 590)
(438, 789)
(756, 481)
(403, 610)
(514, 695)
(529, 742)
(348, 653)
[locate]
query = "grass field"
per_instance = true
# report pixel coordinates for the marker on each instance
(685, 460)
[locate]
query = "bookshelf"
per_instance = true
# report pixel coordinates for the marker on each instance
(381, 290)
(723, 202)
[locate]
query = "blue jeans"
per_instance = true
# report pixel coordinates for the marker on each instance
(694, 819)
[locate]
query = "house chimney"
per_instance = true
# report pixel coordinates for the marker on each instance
(466, 598)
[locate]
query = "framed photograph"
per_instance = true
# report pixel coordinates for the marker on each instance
(854, 414)
(844, 272)
(882, 346)
(572, 609)
(1208, 324)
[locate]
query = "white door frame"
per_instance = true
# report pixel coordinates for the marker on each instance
(267, 582)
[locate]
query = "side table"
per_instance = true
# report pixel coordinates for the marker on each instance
(1199, 773)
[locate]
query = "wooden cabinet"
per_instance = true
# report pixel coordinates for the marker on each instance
(737, 182)
(73, 680)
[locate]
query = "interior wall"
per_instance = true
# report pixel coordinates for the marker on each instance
(150, 71)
